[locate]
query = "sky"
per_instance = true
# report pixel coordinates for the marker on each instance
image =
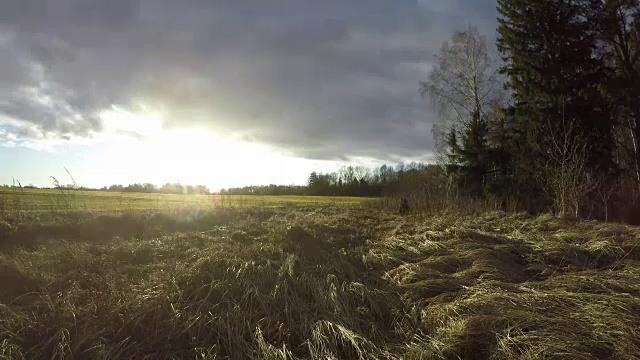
(217, 92)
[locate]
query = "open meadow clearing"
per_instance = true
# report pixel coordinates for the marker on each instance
(316, 281)
(45, 200)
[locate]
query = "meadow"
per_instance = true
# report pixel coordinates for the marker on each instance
(46, 200)
(300, 281)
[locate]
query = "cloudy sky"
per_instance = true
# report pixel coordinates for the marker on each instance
(216, 91)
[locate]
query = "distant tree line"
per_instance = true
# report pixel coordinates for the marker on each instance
(168, 188)
(357, 181)
(175, 188)
(266, 190)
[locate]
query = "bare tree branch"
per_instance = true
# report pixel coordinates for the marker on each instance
(463, 84)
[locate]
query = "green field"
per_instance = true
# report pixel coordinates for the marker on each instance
(42, 200)
(316, 282)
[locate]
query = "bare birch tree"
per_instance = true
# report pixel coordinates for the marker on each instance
(462, 85)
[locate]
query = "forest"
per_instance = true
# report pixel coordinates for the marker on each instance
(360, 181)
(550, 121)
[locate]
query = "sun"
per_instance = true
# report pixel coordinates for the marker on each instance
(139, 147)
(191, 155)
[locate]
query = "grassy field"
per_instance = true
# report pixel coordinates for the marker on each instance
(324, 282)
(44, 200)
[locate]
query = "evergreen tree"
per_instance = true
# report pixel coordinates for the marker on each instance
(463, 87)
(555, 71)
(620, 33)
(476, 156)
(499, 142)
(468, 161)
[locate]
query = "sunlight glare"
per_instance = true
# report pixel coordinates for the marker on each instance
(194, 156)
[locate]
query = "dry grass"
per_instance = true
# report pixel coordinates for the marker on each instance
(301, 282)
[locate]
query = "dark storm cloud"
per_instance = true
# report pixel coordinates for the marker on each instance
(320, 79)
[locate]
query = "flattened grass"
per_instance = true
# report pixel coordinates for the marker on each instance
(517, 287)
(316, 282)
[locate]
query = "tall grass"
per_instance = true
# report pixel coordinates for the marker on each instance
(298, 282)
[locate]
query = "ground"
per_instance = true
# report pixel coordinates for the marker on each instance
(302, 281)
